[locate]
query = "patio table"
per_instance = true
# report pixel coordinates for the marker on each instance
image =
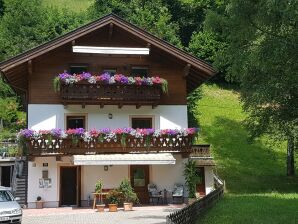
(98, 195)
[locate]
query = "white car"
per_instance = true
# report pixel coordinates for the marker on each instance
(10, 210)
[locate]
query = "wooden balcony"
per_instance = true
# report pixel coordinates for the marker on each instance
(60, 147)
(116, 94)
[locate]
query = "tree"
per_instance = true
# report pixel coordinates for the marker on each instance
(27, 23)
(260, 51)
(154, 18)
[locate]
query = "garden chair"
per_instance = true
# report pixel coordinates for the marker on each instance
(178, 192)
(154, 194)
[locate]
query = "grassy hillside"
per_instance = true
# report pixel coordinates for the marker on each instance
(257, 189)
(74, 5)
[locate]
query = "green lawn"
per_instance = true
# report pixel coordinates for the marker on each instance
(74, 5)
(257, 189)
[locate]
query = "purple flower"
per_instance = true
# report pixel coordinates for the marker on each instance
(79, 131)
(105, 77)
(27, 133)
(127, 130)
(105, 130)
(85, 75)
(64, 76)
(150, 131)
(56, 132)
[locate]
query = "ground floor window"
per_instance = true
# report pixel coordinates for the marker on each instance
(73, 121)
(141, 122)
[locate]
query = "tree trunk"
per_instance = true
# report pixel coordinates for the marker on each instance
(290, 157)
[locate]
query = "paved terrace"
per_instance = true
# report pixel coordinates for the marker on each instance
(144, 215)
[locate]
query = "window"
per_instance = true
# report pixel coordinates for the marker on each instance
(139, 177)
(111, 71)
(78, 69)
(139, 71)
(141, 122)
(75, 122)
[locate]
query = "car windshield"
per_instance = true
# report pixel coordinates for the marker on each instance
(5, 196)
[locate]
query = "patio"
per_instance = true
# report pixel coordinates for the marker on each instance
(66, 215)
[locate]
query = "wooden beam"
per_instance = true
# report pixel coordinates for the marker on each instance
(111, 30)
(186, 70)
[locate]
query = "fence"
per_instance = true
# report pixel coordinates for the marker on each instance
(193, 212)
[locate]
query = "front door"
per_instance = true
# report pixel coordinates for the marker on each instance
(69, 186)
(201, 184)
(6, 176)
(139, 177)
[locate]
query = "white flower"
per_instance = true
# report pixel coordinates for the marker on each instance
(92, 80)
(156, 133)
(87, 137)
(131, 80)
(112, 80)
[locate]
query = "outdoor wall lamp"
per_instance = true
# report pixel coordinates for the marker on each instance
(110, 116)
(106, 168)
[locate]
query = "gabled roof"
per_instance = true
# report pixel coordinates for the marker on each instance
(195, 65)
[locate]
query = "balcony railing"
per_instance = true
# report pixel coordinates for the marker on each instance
(45, 147)
(116, 94)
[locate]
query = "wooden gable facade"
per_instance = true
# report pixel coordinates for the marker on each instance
(31, 73)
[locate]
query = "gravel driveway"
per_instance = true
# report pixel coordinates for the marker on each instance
(144, 215)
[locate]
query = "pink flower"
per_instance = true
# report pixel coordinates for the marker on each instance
(44, 132)
(94, 133)
(118, 131)
(156, 80)
(138, 81)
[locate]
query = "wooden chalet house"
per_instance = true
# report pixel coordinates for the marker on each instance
(116, 126)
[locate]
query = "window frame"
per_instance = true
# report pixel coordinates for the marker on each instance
(84, 115)
(140, 67)
(110, 68)
(78, 65)
(152, 117)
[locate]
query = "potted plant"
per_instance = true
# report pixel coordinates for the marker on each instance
(98, 189)
(191, 179)
(39, 203)
(114, 197)
(129, 196)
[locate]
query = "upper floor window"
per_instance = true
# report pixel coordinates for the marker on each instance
(75, 122)
(141, 122)
(139, 71)
(111, 71)
(78, 69)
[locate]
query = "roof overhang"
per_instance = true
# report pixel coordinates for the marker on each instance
(125, 159)
(197, 70)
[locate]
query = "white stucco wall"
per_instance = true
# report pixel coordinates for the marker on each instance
(48, 116)
(209, 179)
(50, 195)
(110, 178)
(165, 176)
